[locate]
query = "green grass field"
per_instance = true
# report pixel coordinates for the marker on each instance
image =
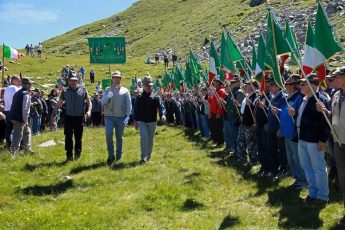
(188, 185)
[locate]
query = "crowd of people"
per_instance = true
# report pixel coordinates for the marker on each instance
(285, 131)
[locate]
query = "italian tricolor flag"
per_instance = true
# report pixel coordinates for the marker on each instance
(214, 63)
(320, 45)
(10, 52)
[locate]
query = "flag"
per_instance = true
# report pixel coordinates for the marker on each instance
(313, 59)
(291, 39)
(259, 63)
(325, 40)
(310, 53)
(276, 45)
(10, 52)
(188, 76)
(235, 53)
(214, 64)
(195, 69)
(227, 62)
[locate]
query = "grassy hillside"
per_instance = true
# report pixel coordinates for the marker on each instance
(177, 24)
(188, 185)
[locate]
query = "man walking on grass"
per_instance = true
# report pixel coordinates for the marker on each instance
(145, 117)
(117, 109)
(75, 97)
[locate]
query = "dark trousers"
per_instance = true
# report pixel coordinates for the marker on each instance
(276, 152)
(9, 127)
(96, 118)
(2, 130)
(262, 145)
(216, 128)
(73, 126)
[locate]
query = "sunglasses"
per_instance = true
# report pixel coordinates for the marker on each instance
(330, 79)
(289, 83)
(302, 84)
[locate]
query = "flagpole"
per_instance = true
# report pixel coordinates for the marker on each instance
(3, 66)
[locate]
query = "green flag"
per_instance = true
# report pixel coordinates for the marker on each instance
(276, 45)
(291, 39)
(324, 38)
(195, 68)
(226, 59)
(235, 53)
(188, 76)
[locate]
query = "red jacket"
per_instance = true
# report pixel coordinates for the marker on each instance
(215, 107)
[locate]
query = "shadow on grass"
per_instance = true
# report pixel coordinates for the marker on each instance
(263, 184)
(33, 167)
(228, 222)
(121, 165)
(191, 204)
(294, 213)
(87, 167)
(42, 190)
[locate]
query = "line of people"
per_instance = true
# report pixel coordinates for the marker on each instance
(282, 130)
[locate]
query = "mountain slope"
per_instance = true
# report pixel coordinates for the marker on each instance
(152, 26)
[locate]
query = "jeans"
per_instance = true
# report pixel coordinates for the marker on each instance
(314, 165)
(230, 134)
(112, 122)
(36, 123)
(198, 121)
(205, 132)
(147, 133)
(294, 163)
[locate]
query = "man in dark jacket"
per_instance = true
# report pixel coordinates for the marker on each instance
(19, 115)
(145, 117)
(74, 97)
(313, 132)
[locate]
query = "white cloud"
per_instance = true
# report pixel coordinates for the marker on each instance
(26, 14)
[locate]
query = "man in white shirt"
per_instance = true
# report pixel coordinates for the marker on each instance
(8, 97)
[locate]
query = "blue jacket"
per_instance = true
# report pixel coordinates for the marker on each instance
(287, 123)
(279, 102)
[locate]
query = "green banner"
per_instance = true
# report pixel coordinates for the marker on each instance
(107, 50)
(106, 83)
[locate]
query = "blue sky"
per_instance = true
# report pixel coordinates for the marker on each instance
(33, 21)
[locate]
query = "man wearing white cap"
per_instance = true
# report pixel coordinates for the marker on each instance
(117, 109)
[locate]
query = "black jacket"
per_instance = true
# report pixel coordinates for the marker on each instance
(314, 127)
(146, 106)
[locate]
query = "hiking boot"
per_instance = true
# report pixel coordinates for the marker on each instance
(110, 160)
(308, 199)
(69, 159)
(29, 151)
